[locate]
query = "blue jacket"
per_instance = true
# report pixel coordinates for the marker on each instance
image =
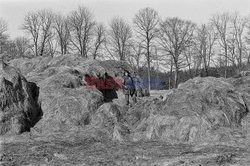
(128, 86)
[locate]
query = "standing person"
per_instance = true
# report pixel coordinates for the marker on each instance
(128, 87)
(137, 88)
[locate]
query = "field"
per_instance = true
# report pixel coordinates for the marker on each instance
(81, 151)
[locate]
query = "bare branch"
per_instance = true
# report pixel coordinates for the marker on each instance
(82, 28)
(120, 34)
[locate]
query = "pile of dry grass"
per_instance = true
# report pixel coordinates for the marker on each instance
(110, 122)
(66, 102)
(201, 109)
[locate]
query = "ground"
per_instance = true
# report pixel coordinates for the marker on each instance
(92, 152)
(74, 150)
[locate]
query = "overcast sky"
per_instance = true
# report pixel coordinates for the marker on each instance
(199, 11)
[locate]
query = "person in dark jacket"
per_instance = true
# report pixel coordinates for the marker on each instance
(129, 88)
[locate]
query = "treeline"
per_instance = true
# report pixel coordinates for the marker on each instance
(152, 43)
(167, 79)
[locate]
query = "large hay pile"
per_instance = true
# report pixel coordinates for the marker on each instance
(66, 102)
(201, 109)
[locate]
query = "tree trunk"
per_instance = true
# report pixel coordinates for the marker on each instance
(190, 72)
(176, 73)
(149, 80)
(42, 48)
(65, 49)
(206, 71)
(169, 83)
(148, 59)
(240, 56)
(171, 73)
(248, 58)
(36, 49)
(226, 62)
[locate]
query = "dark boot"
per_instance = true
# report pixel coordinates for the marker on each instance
(134, 98)
(127, 99)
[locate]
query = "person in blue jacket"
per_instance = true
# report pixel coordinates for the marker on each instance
(129, 87)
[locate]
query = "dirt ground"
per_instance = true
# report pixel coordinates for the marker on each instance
(79, 150)
(94, 152)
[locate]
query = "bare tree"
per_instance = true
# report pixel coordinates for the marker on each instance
(156, 60)
(3, 26)
(247, 41)
(100, 38)
(136, 53)
(175, 37)
(61, 26)
(188, 56)
(7, 46)
(120, 34)
(32, 25)
(10, 50)
(3, 36)
(221, 23)
(204, 45)
(145, 23)
(47, 18)
(81, 27)
(51, 44)
(232, 51)
(239, 26)
(22, 45)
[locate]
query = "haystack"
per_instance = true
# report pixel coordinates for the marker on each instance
(201, 109)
